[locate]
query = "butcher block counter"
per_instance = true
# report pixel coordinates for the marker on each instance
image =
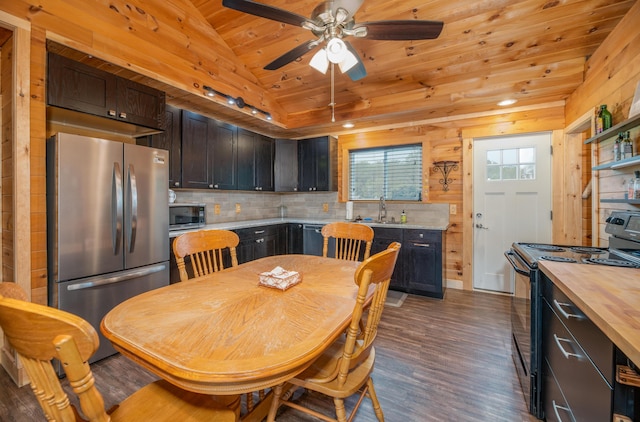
(609, 296)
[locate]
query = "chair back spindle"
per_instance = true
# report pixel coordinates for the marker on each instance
(206, 251)
(350, 239)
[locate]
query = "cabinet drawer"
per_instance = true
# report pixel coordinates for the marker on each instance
(586, 392)
(418, 235)
(556, 407)
(388, 234)
(592, 340)
(257, 231)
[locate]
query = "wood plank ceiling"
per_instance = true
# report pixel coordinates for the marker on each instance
(533, 51)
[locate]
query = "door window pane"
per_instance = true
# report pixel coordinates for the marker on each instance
(511, 164)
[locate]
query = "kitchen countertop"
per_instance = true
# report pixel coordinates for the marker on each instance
(233, 225)
(609, 296)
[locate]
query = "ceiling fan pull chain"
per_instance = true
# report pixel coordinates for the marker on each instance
(333, 103)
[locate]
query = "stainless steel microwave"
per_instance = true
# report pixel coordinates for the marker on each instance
(186, 216)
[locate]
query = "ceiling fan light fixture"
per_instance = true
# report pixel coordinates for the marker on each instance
(336, 50)
(348, 62)
(320, 62)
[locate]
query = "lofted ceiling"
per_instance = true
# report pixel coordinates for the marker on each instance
(533, 51)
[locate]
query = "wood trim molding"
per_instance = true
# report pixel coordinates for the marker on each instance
(22, 157)
(467, 212)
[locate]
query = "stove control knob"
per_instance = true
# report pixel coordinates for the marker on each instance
(608, 220)
(617, 221)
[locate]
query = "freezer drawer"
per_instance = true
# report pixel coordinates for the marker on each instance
(91, 298)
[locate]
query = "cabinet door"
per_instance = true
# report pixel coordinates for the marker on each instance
(196, 157)
(382, 238)
(422, 252)
(263, 153)
(170, 140)
(255, 161)
(76, 86)
(294, 238)
(322, 167)
(285, 166)
(224, 146)
(317, 161)
(139, 104)
(246, 161)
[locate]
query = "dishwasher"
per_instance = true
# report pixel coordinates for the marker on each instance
(312, 239)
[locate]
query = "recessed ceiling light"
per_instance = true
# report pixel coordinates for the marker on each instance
(348, 125)
(507, 102)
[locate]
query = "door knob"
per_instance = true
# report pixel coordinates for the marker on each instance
(480, 226)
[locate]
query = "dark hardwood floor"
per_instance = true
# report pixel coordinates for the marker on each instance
(436, 360)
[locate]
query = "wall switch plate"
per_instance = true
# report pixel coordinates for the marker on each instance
(325, 207)
(453, 209)
(216, 209)
(238, 209)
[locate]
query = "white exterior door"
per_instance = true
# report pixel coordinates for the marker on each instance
(511, 203)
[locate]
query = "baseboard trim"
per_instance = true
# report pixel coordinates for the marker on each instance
(454, 284)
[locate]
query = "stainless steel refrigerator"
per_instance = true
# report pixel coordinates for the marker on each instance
(107, 225)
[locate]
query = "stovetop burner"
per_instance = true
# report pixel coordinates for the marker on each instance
(611, 262)
(557, 258)
(543, 247)
(588, 250)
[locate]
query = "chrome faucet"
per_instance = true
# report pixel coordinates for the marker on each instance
(382, 210)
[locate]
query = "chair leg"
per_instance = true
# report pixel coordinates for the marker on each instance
(275, 403)
(374, 400)
(341, 413)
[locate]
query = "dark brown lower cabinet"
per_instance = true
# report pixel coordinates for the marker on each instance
(577, 362)
(259, 242)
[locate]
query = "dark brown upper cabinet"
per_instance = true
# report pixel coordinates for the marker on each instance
(76, 86)
(255, 161)
(170, 139)
(208, 153)
(317, 164)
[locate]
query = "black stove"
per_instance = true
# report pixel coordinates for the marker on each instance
(526, 312)
(531, 253)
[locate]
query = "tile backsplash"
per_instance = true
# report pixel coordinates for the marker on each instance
(320, 205)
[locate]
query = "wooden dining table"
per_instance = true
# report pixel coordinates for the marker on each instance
(224, 334)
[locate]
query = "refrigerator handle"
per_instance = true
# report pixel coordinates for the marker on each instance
(134, 208)
(116, 208)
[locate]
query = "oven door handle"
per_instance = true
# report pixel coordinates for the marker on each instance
(511, 257)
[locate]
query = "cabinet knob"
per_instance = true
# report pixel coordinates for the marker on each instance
(216, 186)
(123, 115)
(176, 184)
(111, 113)
(211, 186)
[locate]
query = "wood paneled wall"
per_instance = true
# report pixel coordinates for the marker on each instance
(168, 54)
(611, 77)
(442, 139)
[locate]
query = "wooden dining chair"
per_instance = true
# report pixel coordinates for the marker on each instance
(207, 249)
(349, 239)
(345, 368)
(40, 333)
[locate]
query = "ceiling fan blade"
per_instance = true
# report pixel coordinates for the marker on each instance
(350, 6)
(358, 71)
(291, 55)
(265, 11)
(400, 30)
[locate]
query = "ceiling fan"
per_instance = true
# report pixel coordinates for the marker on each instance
(331, 22)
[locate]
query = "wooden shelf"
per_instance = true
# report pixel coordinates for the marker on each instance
(621, 201)
(614, 165)
(614, 130)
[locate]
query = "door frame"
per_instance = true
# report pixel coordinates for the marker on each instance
(562, 151)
